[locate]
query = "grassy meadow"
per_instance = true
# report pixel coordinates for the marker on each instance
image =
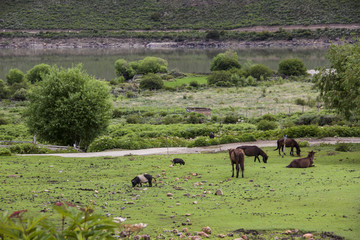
(270, 199)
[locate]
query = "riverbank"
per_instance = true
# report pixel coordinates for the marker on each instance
(41, 43)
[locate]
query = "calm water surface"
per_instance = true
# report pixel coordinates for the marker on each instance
(100, 62)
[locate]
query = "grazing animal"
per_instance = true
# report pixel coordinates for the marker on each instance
(289, 143)
(178, 160)
(140, 179)
(303, 162)
(237, 157)
(211, 135)
(254, 151)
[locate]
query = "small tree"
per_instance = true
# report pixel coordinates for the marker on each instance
(225, 61)
(292, 67)
(37, 73)
(151, 81)
(340, 85)
(68, 107)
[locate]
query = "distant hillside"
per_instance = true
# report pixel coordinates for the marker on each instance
(172, 14)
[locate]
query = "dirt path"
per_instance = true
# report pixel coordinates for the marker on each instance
(184, 150)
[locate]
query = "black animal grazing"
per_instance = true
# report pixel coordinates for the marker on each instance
(303, 162)
(237, 157)
(140, 179)
(178, 160)
(254, 151)
(289, 143)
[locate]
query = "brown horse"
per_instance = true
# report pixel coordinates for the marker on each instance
(237, 156)
(289, 143)
(303, 162)
(254, 151)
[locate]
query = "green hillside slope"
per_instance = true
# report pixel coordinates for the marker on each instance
(172, 14)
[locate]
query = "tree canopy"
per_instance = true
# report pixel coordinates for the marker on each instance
(68, 106)
(340, 85)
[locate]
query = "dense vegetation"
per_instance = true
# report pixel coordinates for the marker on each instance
(247, 103)
(163, 14)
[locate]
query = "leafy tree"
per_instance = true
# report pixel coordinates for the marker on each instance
(68, 107)
(15, 76)
(259, 70)
(340, 85)
(151, 81)
(37, 73)
(292, 67)
(225, 61)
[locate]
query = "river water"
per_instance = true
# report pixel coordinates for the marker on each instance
(100, 62)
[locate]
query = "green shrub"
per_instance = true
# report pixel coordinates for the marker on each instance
(123, 69)
(4, 90)
(213, 34)
(151, 82)
(20, 94)
(194, 84)
(134, 119)
(5, 152)
(303, 144)
(28, 148)
(220, 78)
(230, 119)
(201, 141)
(307, 119)
(15, 76)
(247, 137)
(260, 71)
(225, 61)
(344, 147)
(101, 144)
(302, 131)
(152, 65)
(292, 67)
(266, 125)
(38, 72)
(268, 117)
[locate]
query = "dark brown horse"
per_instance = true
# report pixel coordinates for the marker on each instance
(254, 151)
(289, 143)
(303, 162)
(237, 157)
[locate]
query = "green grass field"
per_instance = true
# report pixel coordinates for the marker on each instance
(186, 81)
(270, 199)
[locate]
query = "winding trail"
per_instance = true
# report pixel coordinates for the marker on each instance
(185, 150)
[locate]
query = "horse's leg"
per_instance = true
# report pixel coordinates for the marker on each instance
(255, 158)
(232, 164)
(237, 170)
(242, 167)
(292, 151)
